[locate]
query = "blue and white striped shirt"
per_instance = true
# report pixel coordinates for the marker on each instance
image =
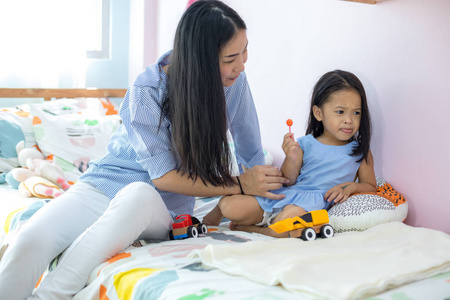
(137, 151)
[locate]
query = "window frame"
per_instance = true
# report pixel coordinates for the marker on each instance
(104, 52)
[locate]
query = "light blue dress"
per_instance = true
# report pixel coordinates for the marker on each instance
(324, 167)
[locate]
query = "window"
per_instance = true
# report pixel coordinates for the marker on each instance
(98, 13)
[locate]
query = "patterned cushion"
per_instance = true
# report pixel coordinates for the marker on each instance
(16, 125)
(74, 131)
(364, 210)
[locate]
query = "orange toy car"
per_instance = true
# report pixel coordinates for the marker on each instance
(306, 226)
(186, 226)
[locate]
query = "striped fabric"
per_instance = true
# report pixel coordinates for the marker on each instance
(139, 152)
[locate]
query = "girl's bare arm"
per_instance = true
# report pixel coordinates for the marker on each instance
(294, 159)
(366, 183)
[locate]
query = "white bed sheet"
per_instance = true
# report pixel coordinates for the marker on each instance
(179, 276)
(11, 200)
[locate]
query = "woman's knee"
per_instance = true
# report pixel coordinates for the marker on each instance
(139, 195)
(144, 205)
(138, 190)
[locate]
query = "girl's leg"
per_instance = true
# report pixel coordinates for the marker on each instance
(214, 217)
(238, 208)
(137, 210)
(51, 230)
(241, 209)
(288, 211)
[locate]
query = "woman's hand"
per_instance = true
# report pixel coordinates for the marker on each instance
(260, 180)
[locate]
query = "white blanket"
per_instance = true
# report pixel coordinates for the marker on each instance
(350, 265)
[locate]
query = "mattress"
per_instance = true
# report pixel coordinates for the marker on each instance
(151, 269)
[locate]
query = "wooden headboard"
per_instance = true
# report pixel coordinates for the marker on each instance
(48, 94)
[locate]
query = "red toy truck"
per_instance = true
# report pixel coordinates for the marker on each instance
(186, 226)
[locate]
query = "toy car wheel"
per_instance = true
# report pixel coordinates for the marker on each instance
(202, 228)
(308, 234)
(192, 232)
(171, 235)
(327, 231)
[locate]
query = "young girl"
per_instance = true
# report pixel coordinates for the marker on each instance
(171, 147)
(322, 166)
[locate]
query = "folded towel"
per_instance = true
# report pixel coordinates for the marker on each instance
(351, 265)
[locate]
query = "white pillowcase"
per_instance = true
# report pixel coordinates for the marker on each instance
(74, 131)
(362, 211)
(16, 126)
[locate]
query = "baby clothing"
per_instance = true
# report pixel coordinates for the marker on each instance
(324, 166)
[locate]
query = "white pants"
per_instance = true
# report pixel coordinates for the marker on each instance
(94, 228)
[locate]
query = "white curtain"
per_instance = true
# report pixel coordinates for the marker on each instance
(43, 43)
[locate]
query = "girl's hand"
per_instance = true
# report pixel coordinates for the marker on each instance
(338, 194)
(367, 183)
(290, 146)
(260, 180)
(294, 158)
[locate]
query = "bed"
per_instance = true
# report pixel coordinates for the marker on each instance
(373, 254)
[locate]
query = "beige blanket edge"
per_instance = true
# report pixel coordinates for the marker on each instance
(351, 265)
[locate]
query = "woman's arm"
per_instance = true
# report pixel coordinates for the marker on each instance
(366, 183)
(244, 124)
(257, 181)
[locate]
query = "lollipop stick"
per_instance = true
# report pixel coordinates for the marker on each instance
(289, 123)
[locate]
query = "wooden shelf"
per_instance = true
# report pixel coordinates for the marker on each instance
(364, 1)
(48, 94)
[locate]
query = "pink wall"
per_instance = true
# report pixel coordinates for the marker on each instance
(400, 50)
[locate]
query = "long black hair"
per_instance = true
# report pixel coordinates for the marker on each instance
(330, 83)
(196, 100)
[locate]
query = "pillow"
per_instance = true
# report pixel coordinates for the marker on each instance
(364, 210)
(74, 131)
(16, 125)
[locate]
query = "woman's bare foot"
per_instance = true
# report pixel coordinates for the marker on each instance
(256, 229)
(214, 217)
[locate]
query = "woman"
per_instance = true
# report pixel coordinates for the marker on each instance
(171, 147)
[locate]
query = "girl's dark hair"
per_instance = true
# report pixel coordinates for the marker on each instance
(336, 81)
(196, 99)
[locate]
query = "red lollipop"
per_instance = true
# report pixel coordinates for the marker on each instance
(289, 123)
